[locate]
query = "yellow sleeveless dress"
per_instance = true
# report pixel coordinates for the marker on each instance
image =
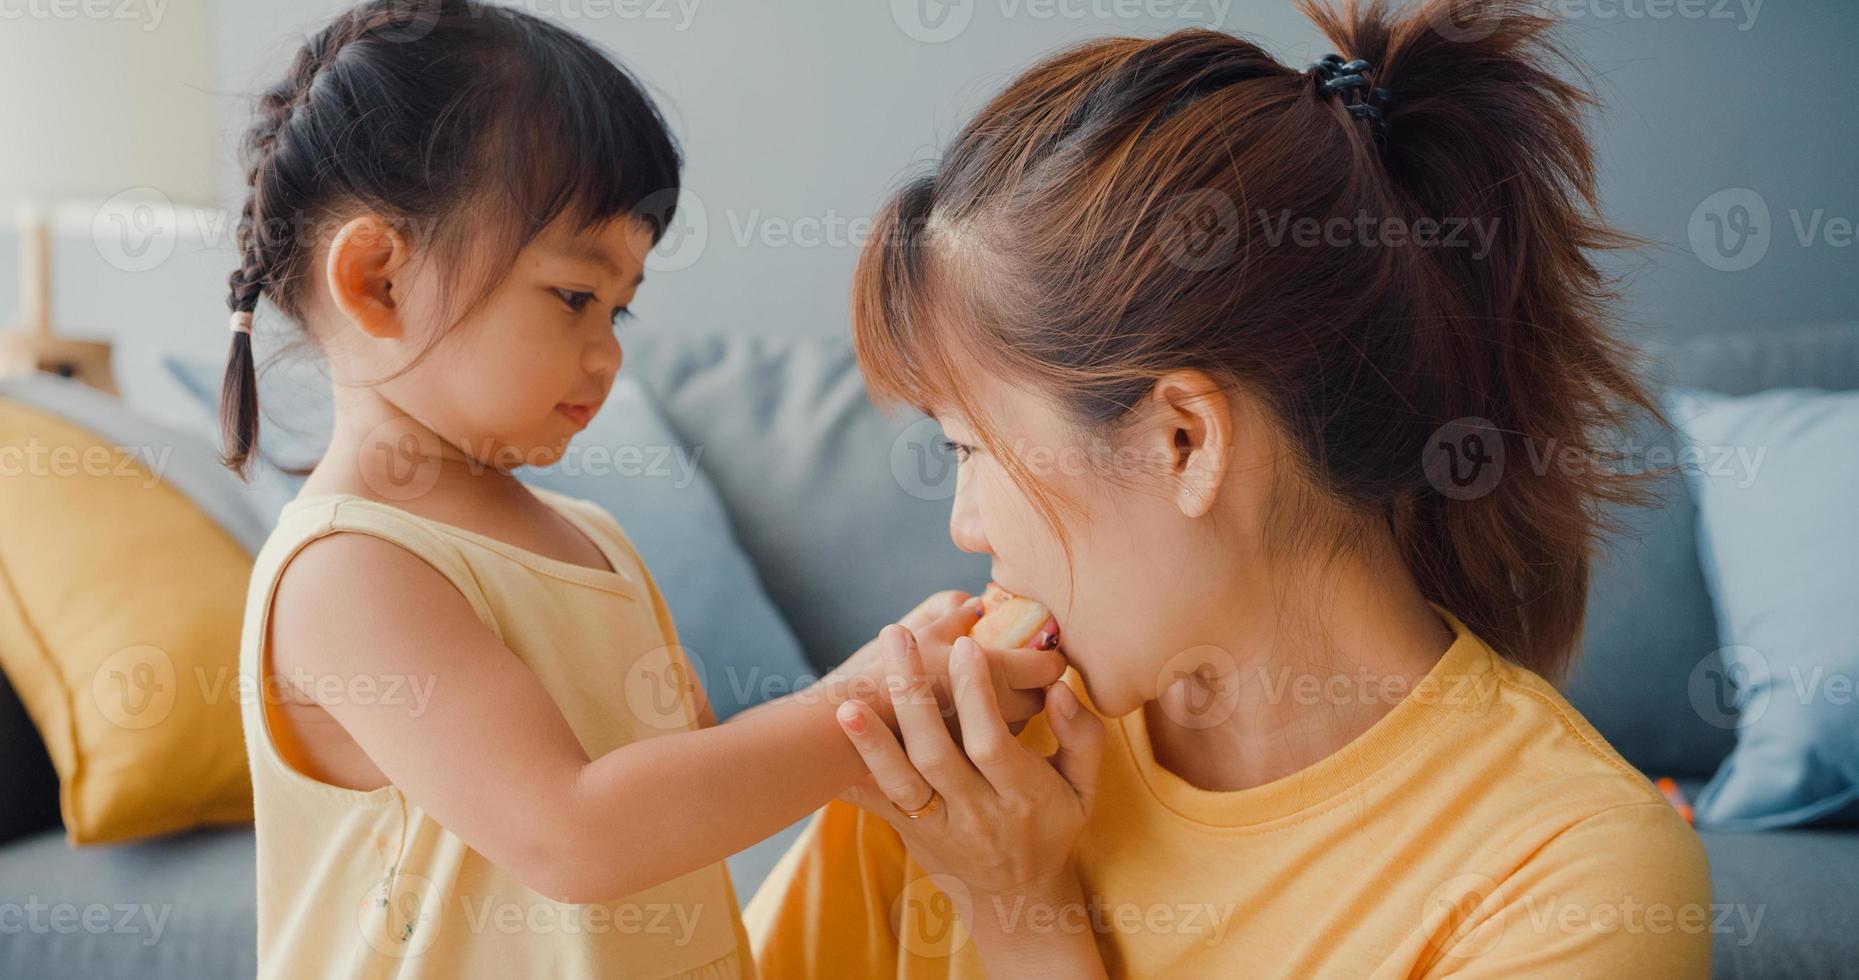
(366, 884)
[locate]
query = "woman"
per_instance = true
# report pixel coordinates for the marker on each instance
(1251, 370)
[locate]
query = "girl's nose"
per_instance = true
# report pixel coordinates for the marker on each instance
(602, 357)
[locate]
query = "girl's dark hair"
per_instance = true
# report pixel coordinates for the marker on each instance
(470, 127)
(1132, 207)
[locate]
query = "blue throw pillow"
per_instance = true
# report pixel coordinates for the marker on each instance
(1773, 475)
(629, 462)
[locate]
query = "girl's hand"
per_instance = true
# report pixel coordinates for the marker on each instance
(991, 814)
(1019, 677)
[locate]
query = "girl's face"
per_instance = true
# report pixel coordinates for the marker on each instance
(512, 383)
(1144, 565)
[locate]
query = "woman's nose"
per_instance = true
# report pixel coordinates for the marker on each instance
(965, 518)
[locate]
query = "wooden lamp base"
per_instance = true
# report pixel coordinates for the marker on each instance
(23, 352)
(33, 346)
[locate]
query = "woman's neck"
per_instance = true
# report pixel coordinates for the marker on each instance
(1318, 658)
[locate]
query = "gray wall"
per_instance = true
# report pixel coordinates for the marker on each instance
(798, 117)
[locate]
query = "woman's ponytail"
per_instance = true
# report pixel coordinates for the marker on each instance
(1483, 131)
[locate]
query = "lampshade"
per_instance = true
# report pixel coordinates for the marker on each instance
(100, 99)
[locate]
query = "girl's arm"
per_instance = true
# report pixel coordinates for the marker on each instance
(490, 756)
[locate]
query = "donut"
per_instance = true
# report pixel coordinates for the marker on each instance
(1010, 622)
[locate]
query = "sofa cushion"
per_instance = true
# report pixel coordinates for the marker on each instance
(1781, 558)
(120, 603)
(1649, 650)
(825, 490)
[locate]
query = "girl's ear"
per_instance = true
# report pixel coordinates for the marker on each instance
(364, 257)
(1192, 421)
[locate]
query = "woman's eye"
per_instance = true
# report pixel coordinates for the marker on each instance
(621, 314)
(961, 452)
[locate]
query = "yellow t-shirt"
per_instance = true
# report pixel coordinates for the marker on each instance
(366, 884)
(1481, 828)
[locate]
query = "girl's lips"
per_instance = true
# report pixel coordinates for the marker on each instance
(578, 414)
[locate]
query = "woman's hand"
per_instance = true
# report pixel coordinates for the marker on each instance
(991, 814)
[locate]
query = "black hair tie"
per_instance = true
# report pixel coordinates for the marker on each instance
(1349, 82)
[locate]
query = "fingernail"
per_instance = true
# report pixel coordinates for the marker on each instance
(851, 719)
(1068, 702)
(897, 645)
(973, 605)
(1046, 640)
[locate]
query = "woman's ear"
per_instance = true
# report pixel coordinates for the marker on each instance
(1193, 415)
(364, 257)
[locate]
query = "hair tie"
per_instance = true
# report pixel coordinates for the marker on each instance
(1349, 82)
(242, 321)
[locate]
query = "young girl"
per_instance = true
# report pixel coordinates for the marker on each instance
(1297, 336)
(484, 757)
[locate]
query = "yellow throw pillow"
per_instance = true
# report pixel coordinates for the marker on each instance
(120, 608)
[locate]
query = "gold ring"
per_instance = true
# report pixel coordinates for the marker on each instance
(934, 804)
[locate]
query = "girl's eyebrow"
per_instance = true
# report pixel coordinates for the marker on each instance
(584, 251)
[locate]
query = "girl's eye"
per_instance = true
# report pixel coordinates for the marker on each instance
(961, 452)
(577, 300)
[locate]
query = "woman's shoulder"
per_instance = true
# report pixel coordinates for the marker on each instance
(1553, 743)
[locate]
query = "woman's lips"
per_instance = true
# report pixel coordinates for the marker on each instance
(578, 414)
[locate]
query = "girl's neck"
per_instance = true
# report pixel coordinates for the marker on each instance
(1319, 655)
(378, 450)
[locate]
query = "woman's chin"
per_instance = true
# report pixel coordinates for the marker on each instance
(1107, 699)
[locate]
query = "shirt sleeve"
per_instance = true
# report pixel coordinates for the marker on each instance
(825, 909)
(1623, 893)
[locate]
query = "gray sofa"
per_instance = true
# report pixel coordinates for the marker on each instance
(817, 482)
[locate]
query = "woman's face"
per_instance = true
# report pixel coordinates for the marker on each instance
(1145, 567)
